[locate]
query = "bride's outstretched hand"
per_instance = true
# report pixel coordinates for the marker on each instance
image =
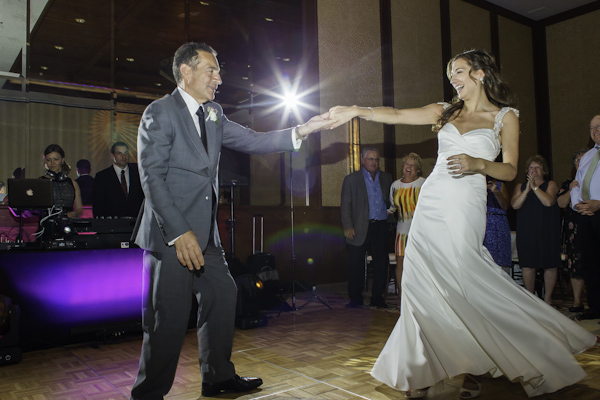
(463, 163)
(339, 115)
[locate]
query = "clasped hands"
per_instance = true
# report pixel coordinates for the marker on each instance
(587, 207)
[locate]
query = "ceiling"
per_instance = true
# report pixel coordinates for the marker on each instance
(254, 38)
(539, 9)
(260, 42)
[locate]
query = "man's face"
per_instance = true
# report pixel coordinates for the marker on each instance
(121, 156)
(371, 161)
(595, 129)
(202, 81)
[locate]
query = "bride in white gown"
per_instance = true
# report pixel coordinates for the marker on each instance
(460, 312)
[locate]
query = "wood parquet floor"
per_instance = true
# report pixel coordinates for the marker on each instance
(313, 353)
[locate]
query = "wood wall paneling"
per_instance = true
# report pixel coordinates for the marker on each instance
(574, 79)
(418, 76)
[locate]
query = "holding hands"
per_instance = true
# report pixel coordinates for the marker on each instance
(339, 115)
(316, 123)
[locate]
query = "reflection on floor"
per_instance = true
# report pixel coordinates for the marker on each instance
(313, 353)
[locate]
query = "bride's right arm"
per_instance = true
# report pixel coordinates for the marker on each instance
(427, 115)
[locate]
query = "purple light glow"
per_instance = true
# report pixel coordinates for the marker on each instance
(76, 287)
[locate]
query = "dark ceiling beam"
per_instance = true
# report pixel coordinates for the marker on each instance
(576, 12)
(501, 11)
(120, 24)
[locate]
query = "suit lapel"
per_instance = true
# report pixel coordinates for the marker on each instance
(189, 126)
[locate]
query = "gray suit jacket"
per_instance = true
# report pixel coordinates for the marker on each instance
(355, 203)
(179, 178)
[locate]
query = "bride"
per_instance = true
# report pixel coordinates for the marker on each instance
(460, 313)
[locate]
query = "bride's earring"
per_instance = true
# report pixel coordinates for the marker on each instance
(481, 80)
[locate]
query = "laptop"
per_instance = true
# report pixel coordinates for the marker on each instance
(30, 193)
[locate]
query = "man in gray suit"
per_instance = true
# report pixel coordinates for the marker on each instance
(179, 146)
(364, 205)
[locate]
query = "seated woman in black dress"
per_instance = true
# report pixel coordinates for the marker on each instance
(67, 197)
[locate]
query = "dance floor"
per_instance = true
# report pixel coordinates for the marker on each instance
(312, 353)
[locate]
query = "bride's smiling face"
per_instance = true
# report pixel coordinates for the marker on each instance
(463, 79)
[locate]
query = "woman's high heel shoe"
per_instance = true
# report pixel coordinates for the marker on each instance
(470, 393)
(416, 393)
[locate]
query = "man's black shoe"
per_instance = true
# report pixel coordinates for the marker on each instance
(379, 304)
(235, 384)
(589, 314)
(353, 304)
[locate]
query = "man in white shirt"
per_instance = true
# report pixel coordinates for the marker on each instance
(179, 145)
(586, 201)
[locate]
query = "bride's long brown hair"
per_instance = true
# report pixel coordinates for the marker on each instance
(496, 90)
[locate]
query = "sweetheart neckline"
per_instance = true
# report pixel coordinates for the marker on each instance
(472, 130)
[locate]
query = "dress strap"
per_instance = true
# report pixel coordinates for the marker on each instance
(444, 104)
(498, 124)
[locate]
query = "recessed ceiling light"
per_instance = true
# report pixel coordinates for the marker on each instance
(269, 19)
(80, 20)
(130, 59)
(204, 3)
(286, 59)
(59, 47)
(44, 68)
(245, 78)
(158, 84)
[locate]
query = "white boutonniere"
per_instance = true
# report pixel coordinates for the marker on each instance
(212, 115)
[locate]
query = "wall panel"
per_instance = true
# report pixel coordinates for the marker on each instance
(516, 62)
(418, 76)
(470, 27)
(574, 80)
(350, 73)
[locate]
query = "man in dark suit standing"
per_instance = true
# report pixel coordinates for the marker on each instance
(179, 144)
(117, 189)
(85, 181)
(364, 205)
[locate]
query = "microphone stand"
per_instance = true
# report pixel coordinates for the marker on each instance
(294, 282)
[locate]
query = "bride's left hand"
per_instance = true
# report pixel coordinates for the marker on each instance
(463, 163)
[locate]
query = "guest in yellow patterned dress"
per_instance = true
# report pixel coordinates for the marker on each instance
(403, 197)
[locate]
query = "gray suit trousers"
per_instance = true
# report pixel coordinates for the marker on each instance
(166, 312)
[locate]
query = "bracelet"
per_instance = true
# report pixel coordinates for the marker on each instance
(372, 114)
(535, 188)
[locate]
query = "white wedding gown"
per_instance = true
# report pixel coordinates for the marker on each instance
(460, 312)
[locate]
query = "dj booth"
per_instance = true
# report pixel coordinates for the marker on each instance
(87, 284)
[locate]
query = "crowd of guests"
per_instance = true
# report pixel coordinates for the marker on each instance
(546, 237)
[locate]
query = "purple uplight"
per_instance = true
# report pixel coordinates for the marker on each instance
(75, 288)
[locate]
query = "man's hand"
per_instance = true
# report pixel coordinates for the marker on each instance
(588, 207)
(349, 233)
(188, 251)
(573, 184)
(316, 123)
